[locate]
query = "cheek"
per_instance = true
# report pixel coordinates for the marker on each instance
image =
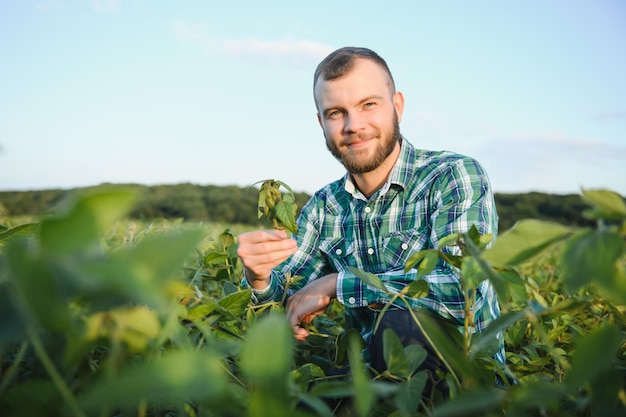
(332, 131)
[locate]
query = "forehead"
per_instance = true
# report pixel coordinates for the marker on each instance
(366, 78)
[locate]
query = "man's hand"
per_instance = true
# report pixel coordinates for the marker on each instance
(261, 251)
(310, 301)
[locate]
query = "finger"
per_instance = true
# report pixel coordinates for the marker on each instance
(269, 249)
(300, 334)
(267, 260)
(258, 236)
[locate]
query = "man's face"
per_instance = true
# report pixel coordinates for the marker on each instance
(360, 115)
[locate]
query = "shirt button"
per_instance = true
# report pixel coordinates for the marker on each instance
(351, 300)
(338, 251)
(370, 251)
(405, 246)
(367, 209)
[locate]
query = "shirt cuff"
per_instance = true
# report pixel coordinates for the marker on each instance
(265, 295)
(350, 290)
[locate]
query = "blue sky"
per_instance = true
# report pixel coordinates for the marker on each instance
(207, 92)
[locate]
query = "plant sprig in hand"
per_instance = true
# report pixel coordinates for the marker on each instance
(280, 208)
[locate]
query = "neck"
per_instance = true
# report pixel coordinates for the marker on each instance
(370, 182)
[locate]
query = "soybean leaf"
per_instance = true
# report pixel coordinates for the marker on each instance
(394, 354)
(591, 256)
(265, 361)
(364, 395)
(410, 393)
(416, 289)
(424, 260)
(285, 214)
(307, 374)
(526, 239)
(22, 229)
(479, 401)
(236, 303)
(266, 355)
(89, 216)
(369, 279)
(606, 205)
(178, 374)
(416, 355)
(594, 353)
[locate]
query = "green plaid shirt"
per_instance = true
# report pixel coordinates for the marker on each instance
(428, 195)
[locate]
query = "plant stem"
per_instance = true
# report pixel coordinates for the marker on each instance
(430, 341)
(53, 372)
(13, 368)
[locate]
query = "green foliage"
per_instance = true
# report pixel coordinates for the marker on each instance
(103, 316)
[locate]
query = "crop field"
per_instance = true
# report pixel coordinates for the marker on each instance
(101, 315)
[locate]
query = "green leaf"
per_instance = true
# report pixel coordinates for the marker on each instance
(266, 357)
(284, 213)
(306, 374)
(89, 216)
(416, 289)
(472, 273)
(479, 401)
(416, 355)
(525, 240)
(514, 284)
(410, 393)
(594, 353)
(446, 339)
(450, 240)
(22, 229)
(592, 256)
(394, 354)
(11, 324)
(265, 361)
(369, 279)
(606, 205)
(487, 339)
(363, 398)
(424, 260)
(236, 303)
(141, 273)
(192, 375)
(215, 258)
(45, 296)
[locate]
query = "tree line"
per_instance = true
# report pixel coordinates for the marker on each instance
(238, 205)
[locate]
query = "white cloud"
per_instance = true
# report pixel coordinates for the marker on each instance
(288, 51)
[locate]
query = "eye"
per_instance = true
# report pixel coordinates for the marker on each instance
(333, 114)
(369, 104)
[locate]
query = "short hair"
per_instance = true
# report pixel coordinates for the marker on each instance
(340, 62)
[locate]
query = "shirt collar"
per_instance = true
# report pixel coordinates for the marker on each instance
(397, 176)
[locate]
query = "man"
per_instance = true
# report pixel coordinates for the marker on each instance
(393, 201)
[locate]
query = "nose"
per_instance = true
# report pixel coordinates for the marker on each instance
(353, 122)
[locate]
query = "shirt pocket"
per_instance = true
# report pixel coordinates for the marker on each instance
(397, 247)
(339, 252)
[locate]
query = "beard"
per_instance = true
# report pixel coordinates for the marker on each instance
(354, 162)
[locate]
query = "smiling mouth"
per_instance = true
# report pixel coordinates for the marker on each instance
(357, 143)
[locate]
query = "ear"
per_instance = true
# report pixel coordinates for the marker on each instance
(398, 103)
(319, 120)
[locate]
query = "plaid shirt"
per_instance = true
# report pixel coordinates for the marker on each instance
(427, 196)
